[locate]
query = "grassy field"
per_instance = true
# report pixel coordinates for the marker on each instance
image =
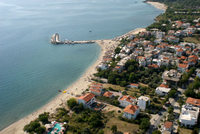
(185, 131)
(121, 126)
(192, 40)
(115, 87)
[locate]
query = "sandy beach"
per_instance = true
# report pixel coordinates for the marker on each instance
(158, 5)
(72, 91)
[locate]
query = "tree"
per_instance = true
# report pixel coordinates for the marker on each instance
(40, 130)
(34, 127)
(172, 93)
(117, 50)
(144, 125)
(114, 129)
(72, 103)
(44, 118)
(156, 132)
(170, 110)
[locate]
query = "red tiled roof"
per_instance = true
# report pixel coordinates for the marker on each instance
(87, 97)
(164, 85)
(141, 57)
(166, 58)
(185, 62)
(168, 124)
(193, 57)
(193, 101)
(107, 94)
(180, 50)
(133, 84)
(179, 22)
(183, 65)
(196, 50)
(153, 66)
(127, 98)
(95, 90)
(131, 109)
(183, 57)
(188, 52)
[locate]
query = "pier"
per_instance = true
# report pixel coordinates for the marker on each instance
(56, 40)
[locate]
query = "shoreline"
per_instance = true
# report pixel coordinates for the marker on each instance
(74, 89)
(157, 5)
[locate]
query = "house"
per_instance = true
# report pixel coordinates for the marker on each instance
(189, 115)
(143, 102)
(172, 39)
(198, 72)
(172, 76)
(193, 102)
(193, 59)
(154, 66)
(131, 111)
(185, 25)
(168, 127)
(118, 68)
(96, 88)
(182, 67)
(142, 61)
(102, 66)
(179, 52)
(162, 91)
(133, 85)
(126, 100)
(108, 94)
(178, 24)
(87, 100)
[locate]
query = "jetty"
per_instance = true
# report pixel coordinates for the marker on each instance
(55, 39)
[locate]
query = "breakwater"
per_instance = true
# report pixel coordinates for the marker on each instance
(55, 39)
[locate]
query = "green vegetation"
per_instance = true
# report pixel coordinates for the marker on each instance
(44, 118)
(145, 123)
(195, 40)
(156, 132)
(122, 126)
(133, 74)
(34, 127)
(72, 103)
(190, 92)
(113, 101)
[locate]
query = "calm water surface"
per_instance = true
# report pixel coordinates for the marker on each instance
(32, 70)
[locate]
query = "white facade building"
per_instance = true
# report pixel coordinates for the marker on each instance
(143, 102)
(87, 100)
(189, 115)
(127, 100)
(131, 112)
(162, 91)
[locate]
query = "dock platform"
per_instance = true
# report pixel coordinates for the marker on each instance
(55, 40)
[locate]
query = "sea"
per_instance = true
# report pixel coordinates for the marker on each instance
(31, 69)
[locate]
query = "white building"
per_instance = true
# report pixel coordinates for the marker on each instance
(162, 91)
(102, 66)
(131, 112)
(143, 102)
(87, 100)
(127, 100)
(189, 115)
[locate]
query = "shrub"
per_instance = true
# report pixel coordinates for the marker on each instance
(72, 103)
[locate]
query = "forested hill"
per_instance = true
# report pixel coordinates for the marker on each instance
(181, 3)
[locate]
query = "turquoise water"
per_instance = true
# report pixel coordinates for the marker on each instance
(56, 126)
(32, 70)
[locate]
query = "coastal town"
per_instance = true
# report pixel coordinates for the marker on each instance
(150, 79)
(147, 82)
